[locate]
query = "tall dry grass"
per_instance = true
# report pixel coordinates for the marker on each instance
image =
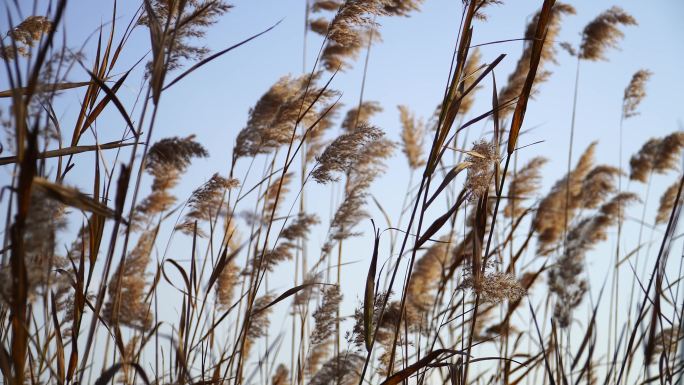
(87, 274)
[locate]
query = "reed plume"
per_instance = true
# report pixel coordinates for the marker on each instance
(635, 93)
(259, 322)
(352, 17)
(524, 182)
(187, 21)
(481, 5)
(270, 196)
(344, 369)
(363, 165)
(348, 31)
(230, 275)
(126, 302)
(667, 203)
(565, 279)
(325, 320)
(315, 140)
(281, 376)
(482, 159)
(426, 277)
(24, 36)
(167, 160)
(550, 220)
(339, 156)
(272, 120)
(603, 33)
(412, 134)
(326, 5)
(360, 114)
(46, 218)
(494, 287)
(402, 7)
(287, 242)
(205, 201)
(657, 155)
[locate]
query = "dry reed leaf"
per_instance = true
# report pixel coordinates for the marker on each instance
(72, 197)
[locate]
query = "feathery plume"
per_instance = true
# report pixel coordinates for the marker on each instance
(426, 277)
(597, 185)
(479, 13)
(344, 369)
(657, 155)
(299, 229)
(667, 203)
(402, 7)
(325, 319)
(365, 165)
(495, 287)
(186, 25)
(412, 132)
(230, 275)
(167, 159)
(349, 30)
(281, 376)
(319, 25)
(549, 221)
(325, 5)
(635, 93)
(25, 35)
(315, 142)
(667, 340)
(339, 156)
(360, 114)
(565, 278)
(46, 218)
(352, 16)
(482, 159)
(525, 182)
(205, 201)
(603, 33)
(282, 182)
(272, 120)
(126, 289)
(259, 322)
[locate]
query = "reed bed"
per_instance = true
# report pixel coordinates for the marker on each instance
(481, 276)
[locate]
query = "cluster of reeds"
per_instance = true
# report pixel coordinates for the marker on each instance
(479, 277)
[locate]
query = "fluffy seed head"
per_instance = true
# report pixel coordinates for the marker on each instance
(603, 33)
(635, 93)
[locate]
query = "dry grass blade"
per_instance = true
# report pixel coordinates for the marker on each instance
(72, 197)
(451, 175)
(424, 362)
(47, 88)
(535, 57)
(108, 375)
(101, 105)
(216, 55)
(441, 221)
(287, 293)
(369, 295)
(112, 95)
(73, 150)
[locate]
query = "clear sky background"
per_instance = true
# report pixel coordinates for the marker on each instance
(410, 67)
